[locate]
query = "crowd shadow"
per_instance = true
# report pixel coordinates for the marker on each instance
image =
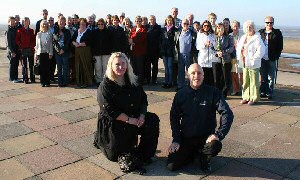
(269, 168)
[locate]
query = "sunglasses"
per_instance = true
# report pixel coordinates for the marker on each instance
(50, 20)
(185, 23)
(269, 22)
(205, 25)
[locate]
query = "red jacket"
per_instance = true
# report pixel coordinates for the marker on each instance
(25, 38)
(140, 40)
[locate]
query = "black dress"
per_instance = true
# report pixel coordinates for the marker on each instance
(114, 137)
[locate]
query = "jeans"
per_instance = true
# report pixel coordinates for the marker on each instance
(62, 62)
(267, 71)
(168, 62)
(183, 65)
(30, 60)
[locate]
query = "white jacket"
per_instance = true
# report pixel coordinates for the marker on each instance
(49, 45)
(206, 55)
(255, 50)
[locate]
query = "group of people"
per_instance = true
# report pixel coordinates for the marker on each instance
(121, 58)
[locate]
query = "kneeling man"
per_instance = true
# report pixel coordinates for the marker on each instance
(193, 122)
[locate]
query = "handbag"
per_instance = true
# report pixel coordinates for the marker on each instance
(37, 68)
(130, 162)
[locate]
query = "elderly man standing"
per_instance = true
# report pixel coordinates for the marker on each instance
(193, 122)
(273, 42)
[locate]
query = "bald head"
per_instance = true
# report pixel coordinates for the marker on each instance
(196, 75)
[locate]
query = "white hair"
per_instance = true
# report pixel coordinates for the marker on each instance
(250, 23)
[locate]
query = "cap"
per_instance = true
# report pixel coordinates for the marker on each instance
(75, 16)
(122, 14)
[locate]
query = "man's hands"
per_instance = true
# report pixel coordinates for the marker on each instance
(174, 147)
(212, 138)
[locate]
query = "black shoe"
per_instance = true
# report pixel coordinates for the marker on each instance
(97, 84)
(154, 82)
(205, 164)
(43, 85)
(164, 86)
(263, 95)
(269, 96)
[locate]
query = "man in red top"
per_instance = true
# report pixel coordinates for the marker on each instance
(138, 42)
(26, 43)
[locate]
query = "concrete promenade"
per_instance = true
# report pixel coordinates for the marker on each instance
(47, 133)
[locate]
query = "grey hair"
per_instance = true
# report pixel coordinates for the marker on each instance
(236, 22)
(111, 75)
(251, 23)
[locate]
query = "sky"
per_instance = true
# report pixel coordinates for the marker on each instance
(286, 13)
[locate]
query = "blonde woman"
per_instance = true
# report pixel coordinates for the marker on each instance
(44, 52)
(249, 51)
(123, 106)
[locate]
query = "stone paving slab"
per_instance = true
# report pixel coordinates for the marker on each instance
(94, 109)
(90, 124)
(279, 118)
(13, 130)
(71, 96)
(246, 111)
(4, 155)
(2, 95)
(47, 122)
(49, 158)
(232, 148)
(65, 133)
(82, 146)
(24, 144)
(13, 107)
(101, 161)
(82, 170)
(160, 108)
(81, 103)
(15, 92)
(4, 119)
(76, 115)
(238, 171)
(263, 132)
(43, 101)
(58, 107)
(29, 96)
(294, 111)
(153, 98)
(8, 100)
(11, 169)
(27, 114)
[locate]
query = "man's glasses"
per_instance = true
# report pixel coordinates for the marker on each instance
(50, 20)
(269, 22)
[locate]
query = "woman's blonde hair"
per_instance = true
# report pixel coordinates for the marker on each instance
(129, 71)
(41, 25)
(250, 23)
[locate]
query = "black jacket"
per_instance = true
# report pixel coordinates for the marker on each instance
(119, 39)
(193, 113)
(168, 41)
(66, 46)
(153, 36)
(275, 44)
(11, 36)
(86, 38)
(101, 43)
(113, 100)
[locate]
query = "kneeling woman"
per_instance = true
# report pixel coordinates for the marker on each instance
(122, 117)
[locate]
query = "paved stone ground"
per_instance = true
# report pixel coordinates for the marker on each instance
(47, 133)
